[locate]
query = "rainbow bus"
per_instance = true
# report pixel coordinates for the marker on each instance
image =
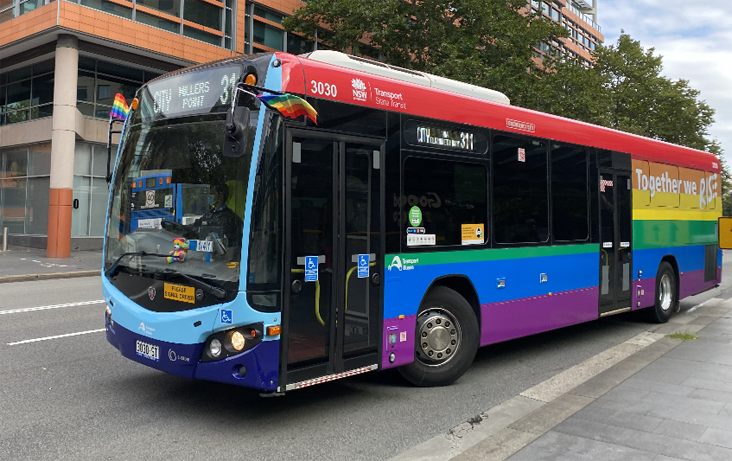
(419, 219)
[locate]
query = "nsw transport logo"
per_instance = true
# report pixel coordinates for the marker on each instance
(359, 90)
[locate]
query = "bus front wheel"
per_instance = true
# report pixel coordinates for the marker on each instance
(446, 339)
(667, 300)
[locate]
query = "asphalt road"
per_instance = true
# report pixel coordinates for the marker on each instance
(75, 397)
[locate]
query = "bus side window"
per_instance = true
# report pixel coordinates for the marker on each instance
(520, 193)
(569, 193)
(449, 194)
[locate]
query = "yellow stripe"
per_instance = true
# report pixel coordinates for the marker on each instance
(660, 214)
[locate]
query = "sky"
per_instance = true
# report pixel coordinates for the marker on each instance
(695, 40)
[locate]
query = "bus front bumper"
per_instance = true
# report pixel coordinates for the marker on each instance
(255, 368)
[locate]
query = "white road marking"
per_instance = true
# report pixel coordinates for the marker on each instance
(55, 337)
(53, 306)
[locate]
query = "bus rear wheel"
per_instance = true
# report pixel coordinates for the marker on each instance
(667, 299)
(446, 339)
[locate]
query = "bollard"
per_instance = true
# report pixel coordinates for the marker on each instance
(5, 239)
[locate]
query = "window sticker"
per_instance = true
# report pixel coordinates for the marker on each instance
(415, 216)
(414, 240)
(473, 234)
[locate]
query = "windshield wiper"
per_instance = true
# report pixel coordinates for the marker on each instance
(217, 292)
(109, 271)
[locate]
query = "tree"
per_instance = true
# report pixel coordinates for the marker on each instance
(644, 102)
(489, 43)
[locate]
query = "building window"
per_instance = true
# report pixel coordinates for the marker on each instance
(204, 20)
(26, 93)
(25, 175)
(100, 81)
(90, 189)
(10, 9)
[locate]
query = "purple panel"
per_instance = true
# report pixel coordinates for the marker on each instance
(522, 317)
(648, 289)
(693, 282)
(399, 339)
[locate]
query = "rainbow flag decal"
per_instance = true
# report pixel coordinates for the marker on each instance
(120, 109)
(290, 106)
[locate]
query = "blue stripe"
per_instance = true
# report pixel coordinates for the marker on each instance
(404, 289)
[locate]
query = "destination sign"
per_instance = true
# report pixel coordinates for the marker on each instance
(196, 92)
(448, 138)
(418, 133)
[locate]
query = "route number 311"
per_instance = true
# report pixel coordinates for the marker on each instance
(323, 89)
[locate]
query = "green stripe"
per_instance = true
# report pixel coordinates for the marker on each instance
(496, 254)
(659, 234)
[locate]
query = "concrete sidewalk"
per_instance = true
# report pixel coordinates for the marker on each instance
(20, 264)
(655, 397)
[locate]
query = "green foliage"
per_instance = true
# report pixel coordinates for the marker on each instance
(682, 336)
(646, 103)
(484, 42)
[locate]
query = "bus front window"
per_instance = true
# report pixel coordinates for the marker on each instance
(172, 182)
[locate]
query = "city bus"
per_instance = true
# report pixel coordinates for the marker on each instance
(412, 221)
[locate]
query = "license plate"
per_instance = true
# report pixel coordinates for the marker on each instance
(149, 351)
(179, 293)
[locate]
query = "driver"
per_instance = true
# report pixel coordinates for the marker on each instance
(222, 216)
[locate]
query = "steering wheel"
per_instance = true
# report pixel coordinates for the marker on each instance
(178, 228)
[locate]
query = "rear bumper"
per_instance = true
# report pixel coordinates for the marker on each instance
(260, 362)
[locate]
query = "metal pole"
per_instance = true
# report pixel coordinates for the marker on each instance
(5, 239)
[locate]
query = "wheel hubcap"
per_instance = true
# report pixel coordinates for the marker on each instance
(665, 292)
(439, 337)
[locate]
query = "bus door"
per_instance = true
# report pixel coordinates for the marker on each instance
(331, 319)
(616, 230)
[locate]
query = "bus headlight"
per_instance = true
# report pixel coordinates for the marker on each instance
(233, 341)
(237, 341)
(214, 348)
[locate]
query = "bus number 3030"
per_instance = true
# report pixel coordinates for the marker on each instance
(325, 89)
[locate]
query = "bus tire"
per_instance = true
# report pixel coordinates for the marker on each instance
(667, 299)
(446, 339)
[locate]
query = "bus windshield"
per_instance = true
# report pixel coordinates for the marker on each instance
(175, 194)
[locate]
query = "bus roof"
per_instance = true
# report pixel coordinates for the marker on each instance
(315, 78)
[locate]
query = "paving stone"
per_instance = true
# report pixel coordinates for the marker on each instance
(717, 437)
(557, 446)
(644, 441)
(619, 418)
(682, 402)
(717, 396)
(710, 384)
(634, 383)
(690, 416)
(681, 430)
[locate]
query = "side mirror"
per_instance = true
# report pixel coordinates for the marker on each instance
(237, 130)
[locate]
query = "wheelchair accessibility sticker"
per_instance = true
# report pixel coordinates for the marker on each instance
(227, 316)
(363, 266)
(311, 268)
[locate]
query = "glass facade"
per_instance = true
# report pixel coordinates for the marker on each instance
(99, 82)
(25, 175)
(208, 21)
(26, 93)
(263, 32)
(90, 189)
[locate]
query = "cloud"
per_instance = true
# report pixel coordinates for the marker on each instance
(693, 39)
